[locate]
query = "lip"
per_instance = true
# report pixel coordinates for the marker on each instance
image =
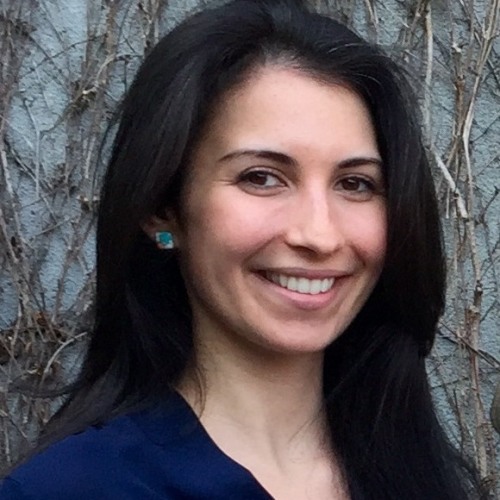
(301, 301)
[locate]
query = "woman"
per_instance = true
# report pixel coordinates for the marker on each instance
(278, 349)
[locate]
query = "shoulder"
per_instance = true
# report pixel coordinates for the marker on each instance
(162, 453)
(101, 462)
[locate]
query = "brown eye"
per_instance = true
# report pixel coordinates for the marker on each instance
(261, 179)
(356, 184)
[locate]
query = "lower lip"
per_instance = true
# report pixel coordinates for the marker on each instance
(303, 301)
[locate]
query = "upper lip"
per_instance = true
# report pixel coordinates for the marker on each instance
(299, 272)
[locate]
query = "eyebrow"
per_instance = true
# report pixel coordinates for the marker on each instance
(287, 160)
(264, 154)
(360, 161)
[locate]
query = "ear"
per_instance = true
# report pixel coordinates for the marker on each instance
(156, 224)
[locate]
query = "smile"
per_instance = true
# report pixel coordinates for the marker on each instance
(300, 284)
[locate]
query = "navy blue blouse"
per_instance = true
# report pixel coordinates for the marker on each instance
(161, 453)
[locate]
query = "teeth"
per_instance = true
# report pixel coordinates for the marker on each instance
(326, 285)
(302, 285)
(315, 287)
(282, 280)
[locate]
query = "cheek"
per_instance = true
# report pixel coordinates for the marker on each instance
(369, 234)
(230, 225)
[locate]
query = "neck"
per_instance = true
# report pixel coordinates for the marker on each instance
(269, 403)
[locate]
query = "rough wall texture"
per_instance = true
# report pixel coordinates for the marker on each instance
(64, 66)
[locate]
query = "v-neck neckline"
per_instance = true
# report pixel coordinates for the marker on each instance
(174, 426)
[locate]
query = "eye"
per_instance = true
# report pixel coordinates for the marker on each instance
(360, 188)
(357, 184)
(260, 179)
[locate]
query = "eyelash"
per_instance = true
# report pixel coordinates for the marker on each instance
(370, 186)
(245, 177)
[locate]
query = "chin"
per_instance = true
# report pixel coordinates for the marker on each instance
(297, 344)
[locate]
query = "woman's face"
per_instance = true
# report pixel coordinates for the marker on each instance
(283, 232)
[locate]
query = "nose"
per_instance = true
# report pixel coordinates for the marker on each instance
(314, 225)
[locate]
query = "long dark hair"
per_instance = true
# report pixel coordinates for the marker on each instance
(378, 402)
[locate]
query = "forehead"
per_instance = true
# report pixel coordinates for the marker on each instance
(287, 107)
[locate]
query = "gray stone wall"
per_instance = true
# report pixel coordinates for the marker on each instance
(64, 66)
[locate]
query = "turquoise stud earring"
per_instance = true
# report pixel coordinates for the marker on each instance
(164, 240)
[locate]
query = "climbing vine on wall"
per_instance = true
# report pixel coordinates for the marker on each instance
(64, 66)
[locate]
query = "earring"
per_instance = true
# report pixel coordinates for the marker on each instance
(164, 240)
